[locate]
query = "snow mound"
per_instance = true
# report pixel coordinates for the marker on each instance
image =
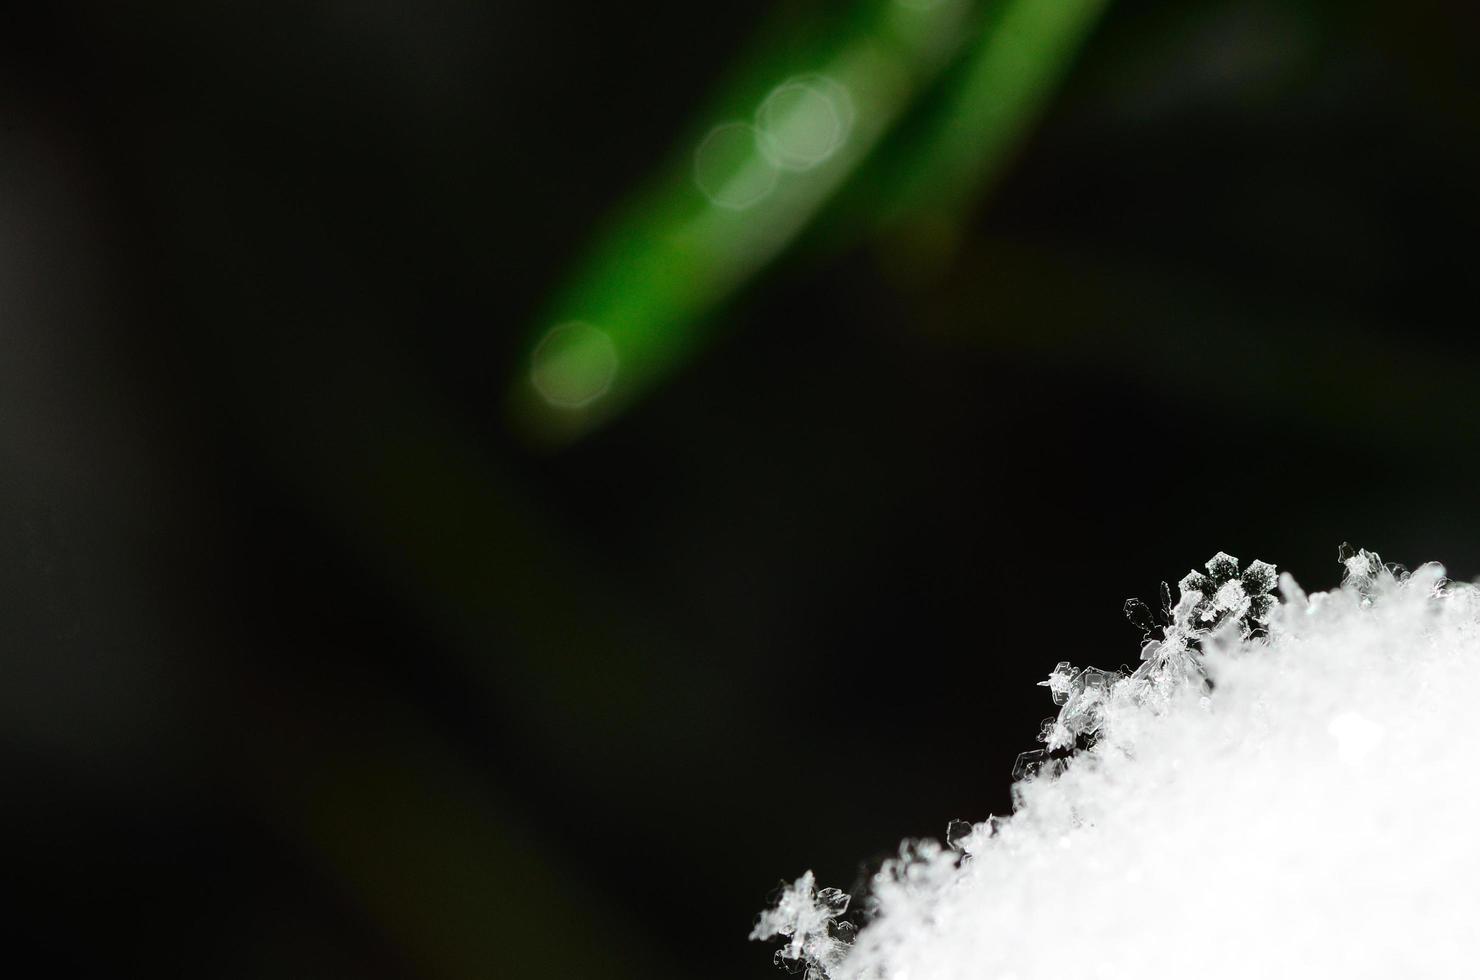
(1281, 788)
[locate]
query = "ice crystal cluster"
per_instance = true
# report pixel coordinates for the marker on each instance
(1284, 788)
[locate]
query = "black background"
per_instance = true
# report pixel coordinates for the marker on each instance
(311, 668)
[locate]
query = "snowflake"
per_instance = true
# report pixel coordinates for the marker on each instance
(1225, 594)
(1223, 597)
(816, 938)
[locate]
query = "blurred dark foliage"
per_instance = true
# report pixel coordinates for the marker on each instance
(312, 669)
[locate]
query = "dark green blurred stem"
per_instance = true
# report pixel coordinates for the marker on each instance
(429, 854)
(1289, 365)
(1005, 85)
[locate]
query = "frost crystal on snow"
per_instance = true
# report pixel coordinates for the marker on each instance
(1366, 574)
(1224, 595)
(1222, 600)
(816, 939)
(1291, 784)
(1060, 682)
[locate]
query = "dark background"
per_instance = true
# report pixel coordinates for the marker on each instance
(312, 667)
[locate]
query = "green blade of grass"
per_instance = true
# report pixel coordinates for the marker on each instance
(635, 310)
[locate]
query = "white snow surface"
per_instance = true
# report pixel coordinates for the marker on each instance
(1316, 815)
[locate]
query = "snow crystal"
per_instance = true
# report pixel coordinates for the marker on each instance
(1278, 789)
(816, 939)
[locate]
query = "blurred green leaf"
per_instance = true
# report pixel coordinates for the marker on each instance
(782, 145)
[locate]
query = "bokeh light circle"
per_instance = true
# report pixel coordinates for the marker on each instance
(731, 170)
(573, 365)
(803, 121)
